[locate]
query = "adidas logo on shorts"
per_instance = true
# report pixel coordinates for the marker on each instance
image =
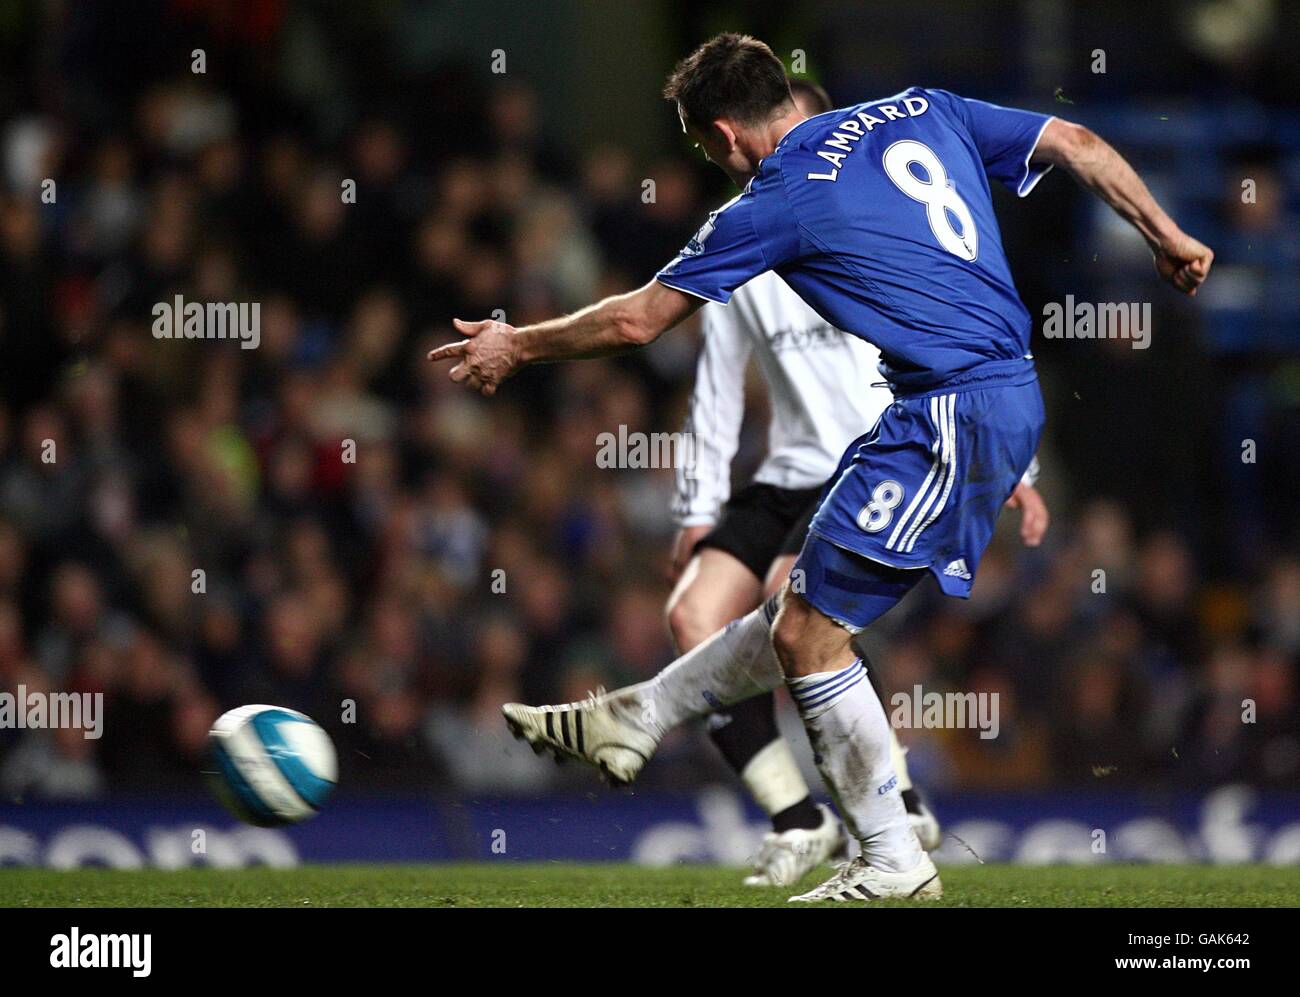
(958, 569)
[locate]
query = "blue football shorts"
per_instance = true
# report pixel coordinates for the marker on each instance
(921, 491)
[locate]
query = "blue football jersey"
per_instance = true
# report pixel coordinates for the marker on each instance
(880, 217)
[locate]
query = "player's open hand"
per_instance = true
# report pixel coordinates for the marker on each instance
(1033, 514)
(1184, 262)
(487, 357)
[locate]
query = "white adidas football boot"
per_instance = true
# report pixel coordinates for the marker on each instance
(605, 730)
(787, 857)
(859, 881)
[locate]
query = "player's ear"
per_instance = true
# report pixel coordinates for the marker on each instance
(728, 133)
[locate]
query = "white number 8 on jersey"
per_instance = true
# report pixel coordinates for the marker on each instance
(877, 513)
(937, 194)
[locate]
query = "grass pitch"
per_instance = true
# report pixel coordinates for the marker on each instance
(505, 884)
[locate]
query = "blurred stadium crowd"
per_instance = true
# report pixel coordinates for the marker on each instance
(474, 553)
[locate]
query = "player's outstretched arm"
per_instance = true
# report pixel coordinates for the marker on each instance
(1181, 260)
(493, 351)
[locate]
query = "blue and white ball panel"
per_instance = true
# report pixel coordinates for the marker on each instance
(301, 751)
(276, 766)
(925, 487)
(234, 791)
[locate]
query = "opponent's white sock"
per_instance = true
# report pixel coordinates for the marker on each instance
(850, 738)
(735, 663)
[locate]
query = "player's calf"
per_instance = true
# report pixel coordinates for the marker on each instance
(842, 714)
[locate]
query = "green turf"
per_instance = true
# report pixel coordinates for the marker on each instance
(553, 885)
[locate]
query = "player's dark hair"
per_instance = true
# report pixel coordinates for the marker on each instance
(813, 95)
(729, 76)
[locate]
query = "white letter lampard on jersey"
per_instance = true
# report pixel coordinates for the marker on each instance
(852, 129)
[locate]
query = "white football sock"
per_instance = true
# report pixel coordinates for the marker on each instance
(898, 755)
(735, 663)
(850, 738)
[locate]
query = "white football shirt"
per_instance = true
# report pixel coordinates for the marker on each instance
(824, 385)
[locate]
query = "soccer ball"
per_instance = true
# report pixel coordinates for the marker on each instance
(272, 766)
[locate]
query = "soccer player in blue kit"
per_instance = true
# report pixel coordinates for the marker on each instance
(881, 218)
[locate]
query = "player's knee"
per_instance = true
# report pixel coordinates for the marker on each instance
(690, 619)
(805, 641)
(787, 632)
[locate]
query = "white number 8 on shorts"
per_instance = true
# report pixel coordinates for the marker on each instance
(877, 513)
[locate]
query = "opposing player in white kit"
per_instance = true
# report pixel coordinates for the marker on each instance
(733, 551)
